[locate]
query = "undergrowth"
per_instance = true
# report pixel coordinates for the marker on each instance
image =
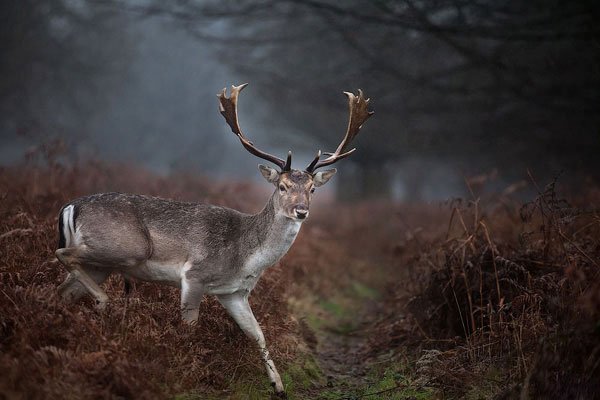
(509, 307)
(137, 347)
(486, 298)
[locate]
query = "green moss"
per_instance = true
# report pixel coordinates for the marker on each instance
(314, 322)
(302, 376)
(394, 383)
(242, 391)
(363, 291)
(342, 321)
(331, 394)
(334, 308)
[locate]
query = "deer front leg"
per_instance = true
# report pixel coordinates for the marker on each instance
(191, 297)
(237, 306)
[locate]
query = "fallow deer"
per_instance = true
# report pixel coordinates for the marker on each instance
(202, 249)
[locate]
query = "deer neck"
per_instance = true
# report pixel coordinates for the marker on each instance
(274, 234)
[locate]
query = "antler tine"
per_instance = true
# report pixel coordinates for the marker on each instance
(314, 162)
(228, 108)
(359, 113)
(288, 162)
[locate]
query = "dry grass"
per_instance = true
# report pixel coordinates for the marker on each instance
(510, 301)
(137, 348)
(486, 294)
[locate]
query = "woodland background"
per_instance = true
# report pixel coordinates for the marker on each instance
(474, 189)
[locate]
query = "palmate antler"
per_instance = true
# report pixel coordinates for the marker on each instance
(359, 113)
(228, 108)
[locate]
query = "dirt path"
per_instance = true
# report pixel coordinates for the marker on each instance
(342, 313)
(339, 359)
(345, 322)
(341, 353)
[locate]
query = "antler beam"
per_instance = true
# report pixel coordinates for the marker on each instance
(359, 113)
(228, 108)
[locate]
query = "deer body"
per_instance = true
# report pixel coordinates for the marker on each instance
(222, 249)
(199, 248)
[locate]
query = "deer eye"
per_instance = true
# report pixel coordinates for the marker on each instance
(282, 187)
(312, 190)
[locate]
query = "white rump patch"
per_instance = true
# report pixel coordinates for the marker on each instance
(68, 225)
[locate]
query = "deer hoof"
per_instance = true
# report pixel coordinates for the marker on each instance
(279, 395)
(279, 392)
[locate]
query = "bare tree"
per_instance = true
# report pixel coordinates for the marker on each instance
(478, 80)
(57, 55)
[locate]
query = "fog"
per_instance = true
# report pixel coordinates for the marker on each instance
(135, 82)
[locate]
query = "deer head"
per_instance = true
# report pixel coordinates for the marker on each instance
(294, 188)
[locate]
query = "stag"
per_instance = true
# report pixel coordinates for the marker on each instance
(199, 248)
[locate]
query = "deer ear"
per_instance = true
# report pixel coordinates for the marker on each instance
(322, 177)
(269, 173)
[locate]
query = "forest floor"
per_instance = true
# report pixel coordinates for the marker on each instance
(344, 312)
(484, 298)
(348, 373)
(345, 325)
(342, 334)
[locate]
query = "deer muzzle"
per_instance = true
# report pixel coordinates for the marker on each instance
(301, 211)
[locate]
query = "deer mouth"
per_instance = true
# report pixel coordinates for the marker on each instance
(301, 216)
(300, 213)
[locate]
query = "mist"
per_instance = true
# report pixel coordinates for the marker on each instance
(453, 253)
(135, 82)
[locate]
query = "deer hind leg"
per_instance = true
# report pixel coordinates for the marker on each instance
(238, 307)
(72, 289)
(79, 278)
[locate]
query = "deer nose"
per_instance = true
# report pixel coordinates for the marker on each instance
(301, 212)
